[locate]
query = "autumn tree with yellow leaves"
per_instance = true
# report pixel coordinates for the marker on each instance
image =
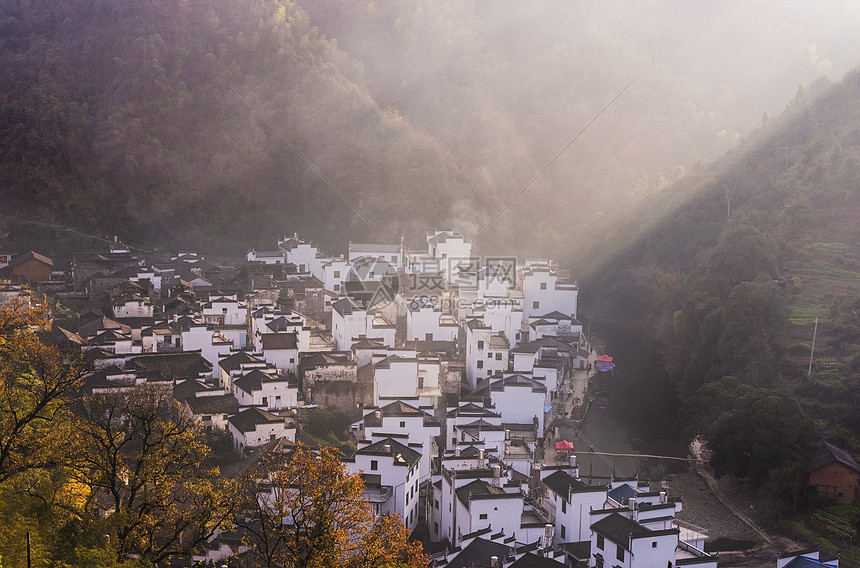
(303, 509)
(36, 382)
(142, 459)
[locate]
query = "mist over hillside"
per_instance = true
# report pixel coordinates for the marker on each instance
(129, 118)
(750, 286)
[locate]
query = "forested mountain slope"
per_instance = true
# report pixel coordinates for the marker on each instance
(731, 281)
(121, 117)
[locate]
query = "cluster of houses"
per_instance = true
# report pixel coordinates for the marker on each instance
(454, 368)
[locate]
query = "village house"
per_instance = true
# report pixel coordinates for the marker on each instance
(211, 342)
(486, 352)
(253, 427)
(392, 464)
(425, 321)
(266, 389)
(520, 399)
(392, 254)
(834, 474)
(352, 321)
(569, 503)
(546, 290)
(30, 267)
(401, 419)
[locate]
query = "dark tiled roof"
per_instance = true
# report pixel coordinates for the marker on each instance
(556, 315)
(175, 366)
(562, 483)
(234, 362)
(472, 409)
(394, 409)
(221, 404)
(827, 454)
(579, 550)
(190, 388)
(279, 341)
(248, 419)
(532, 560)
(345, 306)
(478, 553)
(622, 493)
(253, 380)
(401, 453)
(480, 489)
(324, 358)
(476, 324)
(806, 562)
(517, 380)
(618, 529)
(22, 258)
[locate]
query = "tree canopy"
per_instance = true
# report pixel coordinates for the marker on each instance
(304, 509)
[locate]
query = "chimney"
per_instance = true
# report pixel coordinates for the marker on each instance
(662, 497)
(547, 537)
(631, 503)
(481, 457)
(386, 448)
(457, 451)
(494, 562)
(378, 415)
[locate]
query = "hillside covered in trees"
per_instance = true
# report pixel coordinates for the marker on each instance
(128, 117)
(751, 251)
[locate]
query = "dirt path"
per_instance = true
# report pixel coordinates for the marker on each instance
(702, 470)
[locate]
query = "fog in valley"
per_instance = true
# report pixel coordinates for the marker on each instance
(175, 122)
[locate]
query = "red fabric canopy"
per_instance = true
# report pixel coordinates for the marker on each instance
(564, 445)
(605, 358)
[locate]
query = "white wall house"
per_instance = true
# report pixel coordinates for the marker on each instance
(554, 323)
(267, 391)
(132, 306)
(426, 322)
(266, 256)
(267, 320)
(569, 502)
(467, 412)
(520, 399)
(351, 321)
(502, 316)
(333, 273)
(452, 251)
(235, 364)
(225, 311)
(400, 418)
(252, 427)
(544, 292)
(395, 377)
(211, 343)
(299, 253)
(480, 505)
(392, 254)
(390, 463)
(281, 350)
(486, 352)
(619, 541)
(454, 517)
